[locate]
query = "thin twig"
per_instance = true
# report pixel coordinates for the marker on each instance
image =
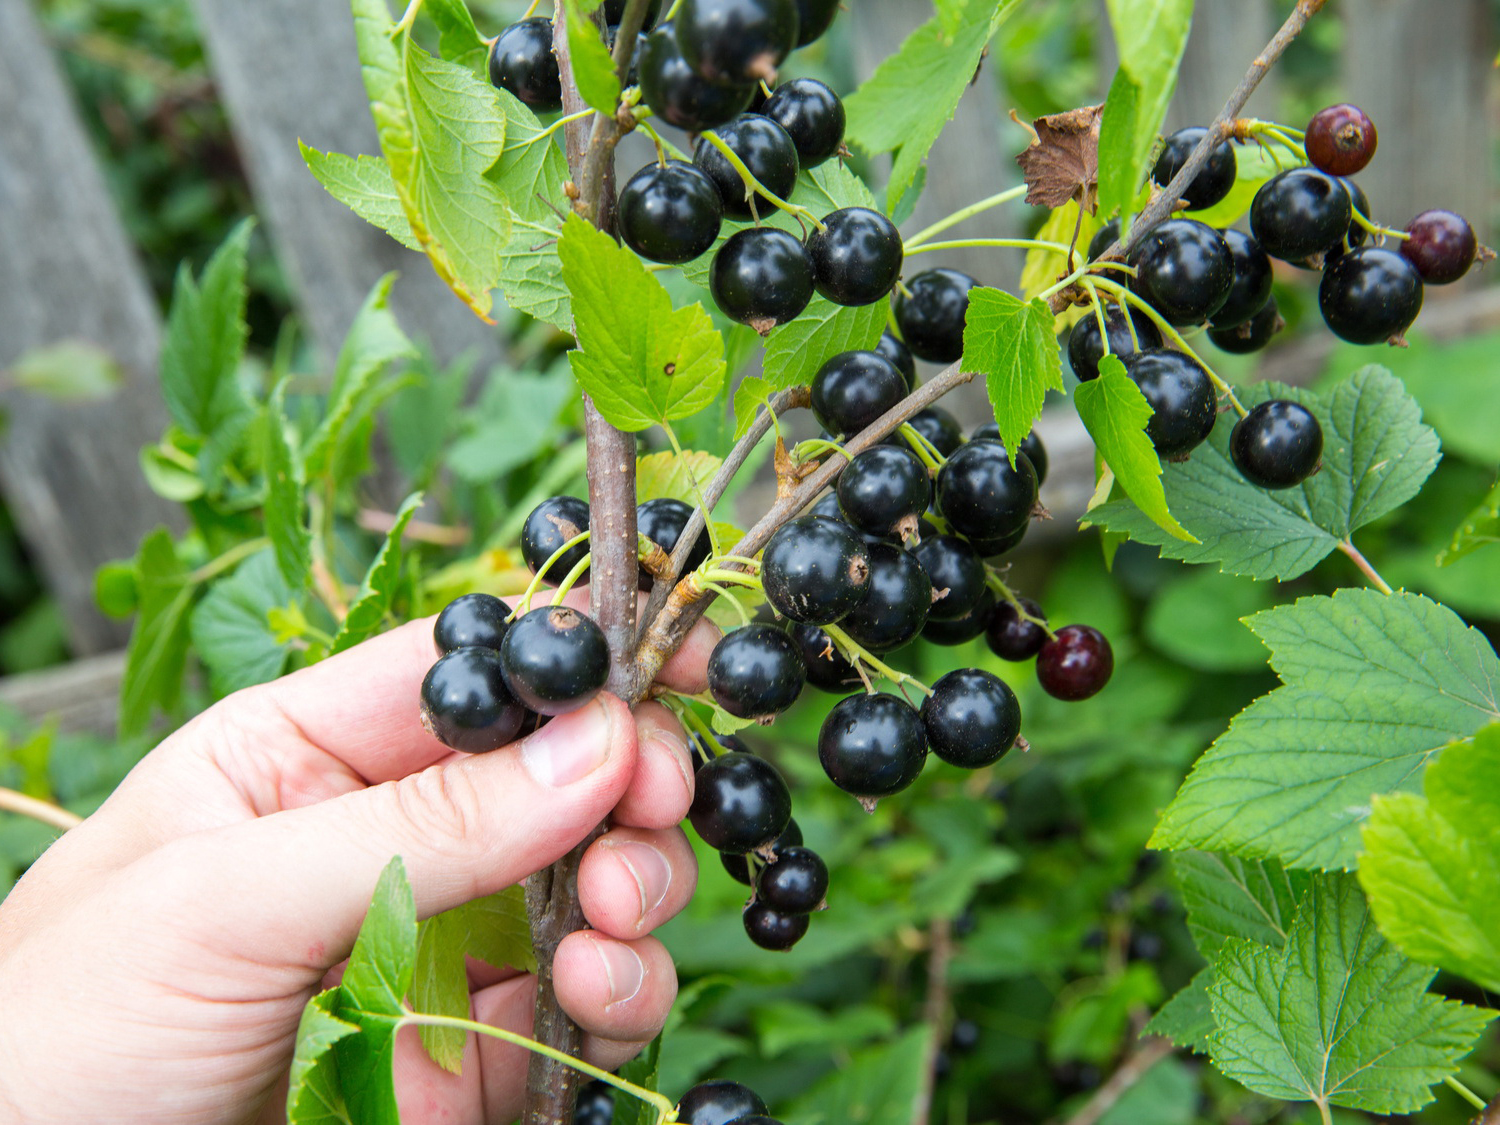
(1131, 1071)
(32, 807)
(419, 531)
(934, 1011)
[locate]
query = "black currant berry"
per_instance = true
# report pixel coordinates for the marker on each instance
(957, 573)
(761, 277)
(1299, 213)
(1105, 237)
(1012, 637)
(521, 61)
(853, 389)
(718, 1103)
(961, 630)
(981, 495)
(595, 1105)
(465, 703)
(856, 257)
(814, 18)
(1075, 664)
(1214, 179)
(677, 95)
(472, 621)
(1251, 336)
(556, 659)
(633, 74)
(940, 429)
(551, 524)
(1086, 342)
(1252, 281)
(900, 356)
(1184, 270)
(884, 490)
(813, 117)
(1182, 400)
(740, 803)
(930, 312)
(795, 882)
(614, 11)
(756, 672)
(1031, 444)
(897, 605)
(765, 149)
(1442, 246)
(827, 670)
(736, 41)
(995, 546)
(1370, 296)
(770, 929)
(972, 718)
(815, 570)
(738, 866)
(872, 745)
(1277, 445)
(662, 521)
(670, 214)
(1340, 140)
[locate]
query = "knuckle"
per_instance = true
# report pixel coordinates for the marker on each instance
(440, 807)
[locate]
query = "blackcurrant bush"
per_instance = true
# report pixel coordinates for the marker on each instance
(770, 929)
(891, 348)
(740, 803)
(718, 1103)
(1105, 237)
(676, 93)
(1252, 281)
(1086, 342)
(1340, 140)
(1181, 396)
(551, 524)
(736, 40)
(1075, 664)
(853, 389)
(856, 257)
(465, 703)
(555, 659)
(940, 429)
(661, 521)
(884, 490)
(1299, 213)
(1011, 636)
(595, 1105)
(872, 745)
(1442, 246)
(957, 573)
(961, 630)
(669, 214)
(813, 117)
(756, 672)
(930, 311)
(764, 148)
(971, 718)
(1184, 270)
(474, 620)
(1214, 179)
(814, 18)
(521, 61)
(761, 277)
(614, 11)
(1251, 336)
(827, 669)
(795, 882)
(738, 866)
(1370, 296)
(815, 570)
(1277, 445)
(1031, 444)
(981, 495)
(896, 607)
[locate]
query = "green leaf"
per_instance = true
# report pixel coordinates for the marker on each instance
(1167, 1094)
(752, 393)
(231, 626)
(876, 1086)
(1091, 1020)
(531, 173)
(1197, 621)
(364, 185)
(1373, 686)
(459, 40)
(641, 361)
(1115, 413)
(1481, 528)
(665, 474)
(157, 654)
(1228, 897)
(315, 1096)
(1013, 344)
(593, 69)
(368, 610)
(1376, 454)
(796, 350)
(1431, 865)
(644, 1070)
(286, 499)
(1338, 1016)
(783, 1025)
(71, 370)
(1187, 1018)
(513, 421)
(169, 478)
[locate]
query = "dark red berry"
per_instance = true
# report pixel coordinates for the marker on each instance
(1012, 637)
(662, 521)
(555, 659)
(883, 491)
(1442, 246)
(1299, 213)
(1214, 178)
(1252, 281)
(795, 882)
(718, 1103)
(1184, 270)
(472, 621)
(738, 866)
(1278, 444)
(736, 40)
(1086, 342)
(1182, 400)
(740, 803)
(872, 745)
(814, 18)
(1075, 664)
(1340, 140)
(1251, 336)
(670, 214)
(756, 672)
(981, 495)
(972, 718)
(957, 573)
(522, 62)
(765, 149)
(815, 570)
(853, 389)
(770, 929)
(551, 524)
(675, 92)
(896, 607)
(856, 257)
(827, 669)
(900, 356)
(761, 277)
(466, 704)
(1370, 296)
(961, 630)
(930, 312)
(813, 117)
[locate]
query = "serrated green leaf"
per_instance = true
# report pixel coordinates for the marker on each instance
(459, 40)
(1044, 268)
(1373, 686)
(511, 424)
(1187, 1018)
(593, 69)
(315, 1096)
(640, 360)
(157, 654)
(286, 499)
(70, 370)
(876, 1086)
(364, 185)
(1115, 413)
(1013, 344)
(796, 350)
(1228, 897)
(950, 14)
(531, 172)
(665, 474)
(644, 1070)
(231, 626)
(1338, 1016)
(1481, 528)
(1431, 865)
(752, 393)
(367, 611)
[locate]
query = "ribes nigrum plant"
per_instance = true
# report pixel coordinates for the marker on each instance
(1075, 663)
(471, 621)
(852, 389)
(740, 803)
(1184, 269)
(718, 1103)
(971, 719)
(982, 495)
(521, 61)
(663, 521)
(895, 607)
(872, 746)
(961, 630)
(931, 308)
(1125, 331)
(736, 41)
(677, 94)
(771, 929)
(938, 428)
(764, 148)
(1014, 637)
(1212, 182)
(1277, 444)
(1340, 139)
(957, 574)
(1253, 334)
(1442, 245)
(1370, 295)
(856, 256)
(551, 525)
(762, 277)
(883, 491)
(669, 214)
(795, 882)
(1182, 400)
(737, 866)
(812, 115)
(1251, 288)
(555, 660)
(815, 570)
(756, 672)
(1299, 213)
(891, 348)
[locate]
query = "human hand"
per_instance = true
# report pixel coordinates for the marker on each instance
(155, 961)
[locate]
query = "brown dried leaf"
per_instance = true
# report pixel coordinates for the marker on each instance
(1063, 162)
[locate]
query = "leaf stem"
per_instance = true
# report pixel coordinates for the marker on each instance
(1376, 228)
(36, 809)
(540, 576)
(965, 213)
(856, 653)
(992, 576)
(931, 456)
(982, 243)
(228, 560)
(571, 580)
(408, 18)
(754, 186)
(1359, 560)
(708, 526)
(562, 123)
(1464, 1092)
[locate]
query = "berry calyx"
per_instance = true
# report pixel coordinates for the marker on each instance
(891, 348)
(740, 803)
(827, 670)
(1011, 636)
(466, 704)
(853, 389)
(961, 630)
(1184, 270)
(555, 659)
(1086, 342)
(675, 92)
(884, 490)
(738, 866)
(957, 574)
(872, 746)
(896, 607)
(1182, 400)
(972, 718)
(1442, 246)
(931, 311)
(1340, 139)
(551, 524)
(670, 215)
(736, 41)
(1300, 213)
(815, 570)
(756, 672)
(1251, 336)
(982, 496)
(662, 521)
(1370, 296)
(521, 61)
(856, 257)
(813, 117)
(1278, 444)
(773, 930)
(765, 149)
(1252, 281)
(718, 1103)
(1214, 178)
(795, 882)
(761, 277)
(1075, 664)
(472, 621)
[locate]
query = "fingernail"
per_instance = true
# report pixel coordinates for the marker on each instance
(567, 750)
(670, 743)
(623, 968)
(648, 867)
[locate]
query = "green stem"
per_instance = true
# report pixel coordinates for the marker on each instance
(1464, 1092)
(691, 718)
(998, 585)
(228, 560)
(661, 147)
(562, 122)
(1376, 228)
(754, 186)
(855, 652)
(724, 593)
(537, 579)
(1358, 559)
(571, 580)
(738, 560)
(982, 243)
(408, 18)
(732, 578)
(923, 448)
(708, 523)
(966, 213)
(812, 447)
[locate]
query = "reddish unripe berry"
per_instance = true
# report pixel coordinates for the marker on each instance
(1340, 139)
(1442, 246)
(1075, 664)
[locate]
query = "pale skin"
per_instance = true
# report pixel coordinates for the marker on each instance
(155, 961)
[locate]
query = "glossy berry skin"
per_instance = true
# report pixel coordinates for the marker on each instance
(856, 257)
(521, 61)
(551, 524)
(1277, 445)
(815, 570)
(472, 621)
(884, 490)
(595, 1105)
(795, 882)
(1213, 180)
(718, 1103)
(670, 214)
(827, 670)
(957, 574)
(740, 803)
(972, 718)
(814, 18)
(813, 117)
(853, 389)
(1370, 295)
(995, 546)
(1010, 636)
(1252, 281)
(761, 277)
(1105, 237)
(1184, 270)
(896, 608)
(1031, 444)
(931, 319)
(1076, 664)
(891, 348)
(466, 704)
(770, 929)
(555, 659)
(1299, 213)
(614, 11)
(677, 95)
(1251, 336)
(736, 41)
(1442, 246)
(872, 745)
(756, 672)
(1086, 343)
(764, 148)
(662, 521)
(1340, 140)
(738, 866)
(981, 495)
(1181, 396)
